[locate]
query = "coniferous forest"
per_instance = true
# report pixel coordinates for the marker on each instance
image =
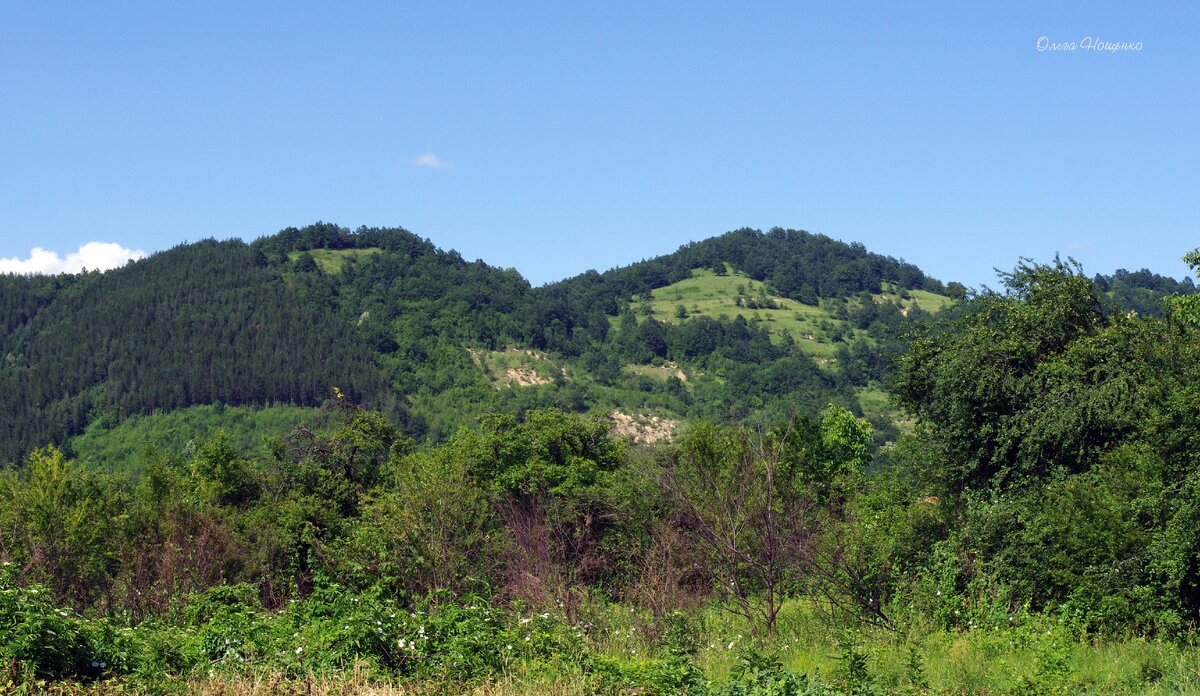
(334, 461)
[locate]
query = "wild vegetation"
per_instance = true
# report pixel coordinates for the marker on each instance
(1029, 525)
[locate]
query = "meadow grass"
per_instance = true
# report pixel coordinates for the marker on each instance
(708, 294)
(332, 261)
(1039, 656)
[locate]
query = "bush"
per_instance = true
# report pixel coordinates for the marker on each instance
(760, 673)
(49, 641)
(666, 676)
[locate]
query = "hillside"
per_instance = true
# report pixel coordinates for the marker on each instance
(747, 326)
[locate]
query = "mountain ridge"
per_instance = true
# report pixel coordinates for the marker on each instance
(399, 324)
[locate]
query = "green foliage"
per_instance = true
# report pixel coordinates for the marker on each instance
(121, 447)
(227, 478)
(758, 673)
(305, 263)
(749, 503)
(1030, 532)
(1068, 445)
(842, 451)
(1186, 308)
(1175, 554)
(978, 380)
(852, 666)
(550, 453)
(61, 522)
(426, 529)
(392, 318)
(671, 675)
(33, 631)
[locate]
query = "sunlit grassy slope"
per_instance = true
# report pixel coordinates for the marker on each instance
(815, 329)
(124, 446)
(334, 260)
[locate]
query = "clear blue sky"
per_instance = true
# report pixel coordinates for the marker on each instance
(588, 135)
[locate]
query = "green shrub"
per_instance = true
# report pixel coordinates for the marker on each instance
(334, 628)
(759, 673)
(48, 640)
(666, 676)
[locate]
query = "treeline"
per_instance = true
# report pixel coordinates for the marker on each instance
(1141, 291)
(569, 316)
(1055, 467)
(799, 265)
(419, 307)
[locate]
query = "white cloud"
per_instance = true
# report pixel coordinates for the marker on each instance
(431, 161)
(92, 256)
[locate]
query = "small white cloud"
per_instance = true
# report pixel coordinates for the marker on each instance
(94, 256)
(431, 161)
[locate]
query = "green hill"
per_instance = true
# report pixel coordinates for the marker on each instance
(747, 326)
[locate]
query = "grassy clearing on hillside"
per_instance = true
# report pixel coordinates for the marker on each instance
(120, 447)
(815, 329)
(928, 301)
(332, 261)
(874, 402)
(518, 367)
(659, 372)
(714, 296)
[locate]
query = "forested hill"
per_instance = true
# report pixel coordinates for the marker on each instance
(201, 323)
(793, 264)
(745, 326)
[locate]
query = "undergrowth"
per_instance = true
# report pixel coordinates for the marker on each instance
(339, 642)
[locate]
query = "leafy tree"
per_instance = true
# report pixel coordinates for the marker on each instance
(305, 263)
(651, 340)
(974, 383)
(1187, 307)
(750, 502)
(227, 477)
(430, 528)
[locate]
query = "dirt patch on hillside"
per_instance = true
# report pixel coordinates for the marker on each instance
(643, 430)
(671, 366)
(525, 377)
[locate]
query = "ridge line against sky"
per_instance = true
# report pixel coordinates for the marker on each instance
(558, 139)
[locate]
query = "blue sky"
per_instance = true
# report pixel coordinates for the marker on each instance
(560, 137)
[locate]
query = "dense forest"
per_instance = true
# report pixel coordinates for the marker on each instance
(452, 505)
